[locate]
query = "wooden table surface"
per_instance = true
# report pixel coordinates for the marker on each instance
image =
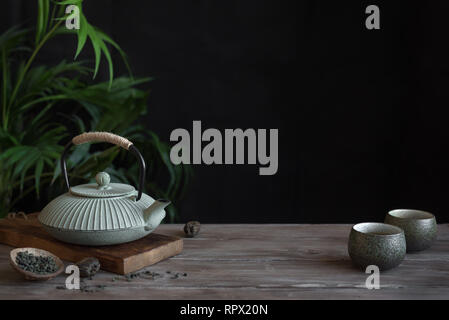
(255, 261)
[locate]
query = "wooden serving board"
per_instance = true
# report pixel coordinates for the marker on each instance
(121, 259)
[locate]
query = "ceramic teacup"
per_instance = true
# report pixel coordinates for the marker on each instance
(420, 227)
(379, 244)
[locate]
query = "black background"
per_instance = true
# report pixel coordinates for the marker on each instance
(362, 114)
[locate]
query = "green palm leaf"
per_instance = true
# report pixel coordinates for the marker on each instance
(42, 19)
(43, 105)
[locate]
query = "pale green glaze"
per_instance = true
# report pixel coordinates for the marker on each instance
(102, 214)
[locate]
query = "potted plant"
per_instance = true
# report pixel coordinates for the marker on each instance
(43, 105)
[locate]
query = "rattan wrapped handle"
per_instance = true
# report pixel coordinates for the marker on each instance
(102, 137)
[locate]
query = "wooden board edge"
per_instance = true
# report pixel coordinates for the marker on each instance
(64, 253)
(154, 256)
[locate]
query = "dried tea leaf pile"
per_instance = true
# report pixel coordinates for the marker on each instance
(36, 264)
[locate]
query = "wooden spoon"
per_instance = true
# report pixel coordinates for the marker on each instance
(37, 252)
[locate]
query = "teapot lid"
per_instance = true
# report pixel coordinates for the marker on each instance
(103, 189)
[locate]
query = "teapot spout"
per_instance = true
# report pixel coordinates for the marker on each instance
(154, 214)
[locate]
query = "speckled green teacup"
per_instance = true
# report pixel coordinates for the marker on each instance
(379, 244)
(420, 227)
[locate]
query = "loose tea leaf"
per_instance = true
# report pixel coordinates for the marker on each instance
(36, 264)
(94, 288)
(145, 274)
(192, 228)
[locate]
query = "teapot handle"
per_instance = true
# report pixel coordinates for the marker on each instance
(104, 137)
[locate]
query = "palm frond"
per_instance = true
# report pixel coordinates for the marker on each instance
(43, 105)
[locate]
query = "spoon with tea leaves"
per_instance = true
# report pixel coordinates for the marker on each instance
(36, 264)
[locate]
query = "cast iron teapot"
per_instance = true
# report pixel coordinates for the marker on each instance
(102, 213)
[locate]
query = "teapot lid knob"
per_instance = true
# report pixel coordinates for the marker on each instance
(103, 180)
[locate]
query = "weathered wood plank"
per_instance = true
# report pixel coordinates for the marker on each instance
(275, 261)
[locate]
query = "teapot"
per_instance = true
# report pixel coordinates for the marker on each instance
(102, 213)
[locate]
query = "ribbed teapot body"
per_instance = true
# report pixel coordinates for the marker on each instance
(76, 213)
(102, 213)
